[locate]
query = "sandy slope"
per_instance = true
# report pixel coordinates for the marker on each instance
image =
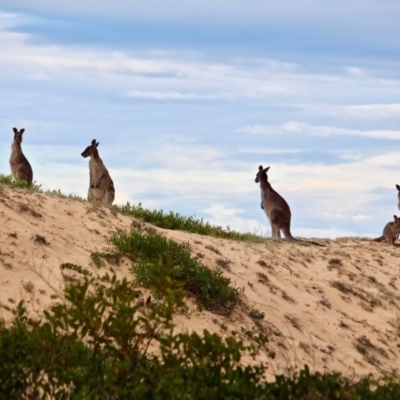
(334, 307)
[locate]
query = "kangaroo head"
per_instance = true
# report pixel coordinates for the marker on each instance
(262, 173)
(90, 150)
(18, 135)
(398, 188)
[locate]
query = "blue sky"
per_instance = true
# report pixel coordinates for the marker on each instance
(187, 99)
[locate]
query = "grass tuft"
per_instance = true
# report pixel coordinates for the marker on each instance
(10, 181)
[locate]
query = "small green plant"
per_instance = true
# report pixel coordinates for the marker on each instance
(256, 314)
(76, 268)
(258, 337)
(157, 259)
(96, 257)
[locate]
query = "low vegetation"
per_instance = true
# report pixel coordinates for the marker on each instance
(10, 181)
(190, 224)
(158, 260)
(107, 342)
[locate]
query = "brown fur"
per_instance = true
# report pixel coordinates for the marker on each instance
(101, 186)
(20, 167)
(398, 196)
(390, 231)
(276, 209)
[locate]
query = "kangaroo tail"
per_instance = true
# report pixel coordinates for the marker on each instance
(379, 239)
(290, 238)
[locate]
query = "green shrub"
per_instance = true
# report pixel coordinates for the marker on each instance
(97, 345)
(104, 342)
(156, 259)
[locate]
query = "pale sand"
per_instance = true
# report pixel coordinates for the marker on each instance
(307, 320)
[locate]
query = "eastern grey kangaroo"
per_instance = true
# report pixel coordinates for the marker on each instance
(276, 209)
(20, 167)
(101, 186)
(390, 231)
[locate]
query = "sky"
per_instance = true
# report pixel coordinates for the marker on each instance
(187, 99)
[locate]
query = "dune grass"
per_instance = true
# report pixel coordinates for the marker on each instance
(175, 221)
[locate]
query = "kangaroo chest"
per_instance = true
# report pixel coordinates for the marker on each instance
(96, 169)
(16, 153)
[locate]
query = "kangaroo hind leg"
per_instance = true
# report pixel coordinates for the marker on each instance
(109, 196)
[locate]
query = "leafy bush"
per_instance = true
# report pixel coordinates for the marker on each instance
(104, 342)
(175, 221)
(174, 262)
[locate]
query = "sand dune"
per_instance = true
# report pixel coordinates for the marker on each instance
(335, 308)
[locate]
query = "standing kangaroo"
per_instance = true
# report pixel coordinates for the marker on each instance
(276, 209)
(101, 186)
(390, 231)
(20, 167)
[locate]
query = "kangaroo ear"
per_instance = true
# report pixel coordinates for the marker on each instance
(266, 169)
(22, 131)
(395, 217)
(15, 130)
(260, 167)
(398, 187)
(97, 144)
(94, 142)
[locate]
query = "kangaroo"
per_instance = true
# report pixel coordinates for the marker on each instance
(101, 186)
(390, 231)
(20, 167)
(398, 196)
(276, 209)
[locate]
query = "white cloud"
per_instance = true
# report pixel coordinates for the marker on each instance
(167, 75)
(153, 75)
(366, 112)
(317, 130)
(324, 233)
(222, 215)
(155, 95)
(361, 217)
